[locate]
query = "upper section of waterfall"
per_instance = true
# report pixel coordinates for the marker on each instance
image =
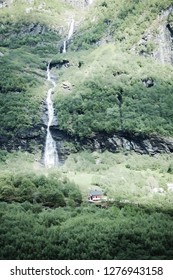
(71, 29)
(50, 154)
(48, 99)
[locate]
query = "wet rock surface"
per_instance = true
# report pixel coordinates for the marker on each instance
(25, 140)
(130, 142)
(114, 143)
(30, 139)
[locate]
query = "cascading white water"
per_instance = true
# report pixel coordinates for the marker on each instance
(64, 47)
(71, 29)
(90, 2)
(70, 33)
(50, 153)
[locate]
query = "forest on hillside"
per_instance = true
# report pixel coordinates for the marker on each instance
(113, 78)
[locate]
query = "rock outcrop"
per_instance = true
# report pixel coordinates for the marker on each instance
(157, 41)
(116, 142)
(130, 142)
(164, 51)
(28, 139)
(79, 3)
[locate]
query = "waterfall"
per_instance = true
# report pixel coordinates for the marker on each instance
(71, 29)
(50, 153)
(70, 33)
(90, 2)
(64, 47)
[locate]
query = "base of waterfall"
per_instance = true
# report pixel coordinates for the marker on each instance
(50, 155)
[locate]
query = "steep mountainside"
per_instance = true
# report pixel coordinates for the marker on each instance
(114, 83)
(31, 32)
(86, 130)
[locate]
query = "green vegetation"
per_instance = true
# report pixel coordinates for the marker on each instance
(47, 191)
(122, 22)
(104, 89)
(44, 215)
(48, 12)
(29, 231)
(125, 177)
(18, 87)
(110, 94)
(170, 20)
(26, 46)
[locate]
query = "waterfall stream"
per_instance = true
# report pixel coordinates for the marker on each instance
(71, 29)
(70, 33)
(64, 47)
(90, 2)
(50, 153)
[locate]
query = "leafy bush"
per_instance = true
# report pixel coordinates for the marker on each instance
(50, 192)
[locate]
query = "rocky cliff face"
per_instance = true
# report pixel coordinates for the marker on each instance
(158, 39)
(116, 142)
(25, 140)
(164, 39)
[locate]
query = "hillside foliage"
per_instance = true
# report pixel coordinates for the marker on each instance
(120, 92)
(122, 22)
(102, 88)
(32, 232)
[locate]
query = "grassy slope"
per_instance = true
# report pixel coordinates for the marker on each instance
(131, 177)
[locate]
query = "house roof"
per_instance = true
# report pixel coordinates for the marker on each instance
(96, 192)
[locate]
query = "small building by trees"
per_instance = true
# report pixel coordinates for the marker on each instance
(96, 195)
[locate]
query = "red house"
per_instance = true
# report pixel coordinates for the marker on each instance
(95, 195)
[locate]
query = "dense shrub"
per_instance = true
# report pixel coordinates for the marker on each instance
(85, 233)
(50, 192)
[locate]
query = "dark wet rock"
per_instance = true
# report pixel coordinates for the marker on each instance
(60, 63)
(32, 138)
(122, 141)
(28, 139)
(33, 29)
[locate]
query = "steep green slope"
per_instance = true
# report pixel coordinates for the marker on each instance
(122, 22)
(29, 37)
(103, 89)
(113, 91)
